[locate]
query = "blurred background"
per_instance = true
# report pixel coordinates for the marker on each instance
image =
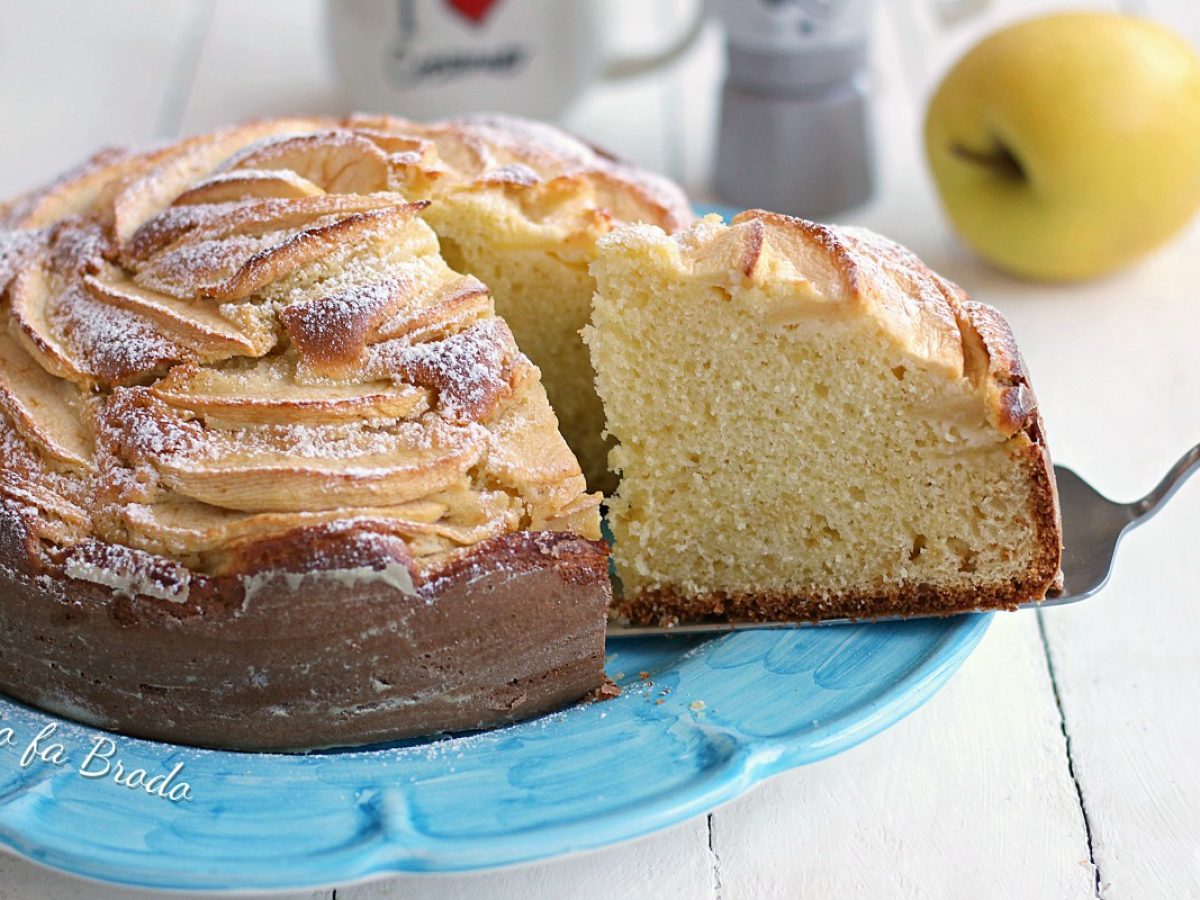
(75, 76)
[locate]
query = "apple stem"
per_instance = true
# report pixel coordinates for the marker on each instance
(999, 159)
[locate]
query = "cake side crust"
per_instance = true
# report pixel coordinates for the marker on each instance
(296, 660)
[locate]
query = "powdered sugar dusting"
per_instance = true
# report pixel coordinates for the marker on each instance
(336, 327)
(109, 343)
(17, 249)
(469, 371)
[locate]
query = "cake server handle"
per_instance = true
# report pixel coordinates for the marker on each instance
(1185, 467)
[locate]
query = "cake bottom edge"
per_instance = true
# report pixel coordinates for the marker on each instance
(668, 605)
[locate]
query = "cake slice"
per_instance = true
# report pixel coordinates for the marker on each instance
(811, 424)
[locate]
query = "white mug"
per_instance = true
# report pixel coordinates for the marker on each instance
(428, 59)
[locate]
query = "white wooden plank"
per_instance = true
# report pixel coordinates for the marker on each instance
(67, 91)
(1126, 667)
(969, 797)
(671, 865)
(23, 879)
(1124, 397)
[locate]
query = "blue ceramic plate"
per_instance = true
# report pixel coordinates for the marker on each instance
(707, 720)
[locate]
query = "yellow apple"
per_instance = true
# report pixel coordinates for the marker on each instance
(1065, 147)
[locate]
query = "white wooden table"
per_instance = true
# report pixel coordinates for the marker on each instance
(1063, 760)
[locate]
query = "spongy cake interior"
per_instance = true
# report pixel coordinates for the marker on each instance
(779, 447)
(545, 295)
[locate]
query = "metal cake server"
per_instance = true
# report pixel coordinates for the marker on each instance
(1093, 525)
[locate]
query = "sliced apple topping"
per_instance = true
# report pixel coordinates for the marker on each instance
(460, 302)
(78, 247)
(215, 221)
(198, 323)
(18, 249)
(276, 481)
(239, 265)
(471, 372)
(268, 393)
(75, 337)
(76, 192)
(525, 450)
(191, 268)
(182, 527)
(249, 184)
(309, 246)
(331, 333)
(181, 166)
(247, 351)
(287, 467)
(44, 409)
(29, 493)
(339, 161)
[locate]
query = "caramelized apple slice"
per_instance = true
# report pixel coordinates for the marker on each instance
(182, 166)
(279, 481)
(267, 392)
(461, 302)
(198, 323)
(286, 467)
(75, 337)
(472, 371)
(331, 333)
(249, 184)
(78, 191)
(579, 516)
(240, 265)
(341, 162)
(31, 494)
(526, 451)
(29, 296)
(181, 527)
(308, 246)
(43, 409)
(216, 221)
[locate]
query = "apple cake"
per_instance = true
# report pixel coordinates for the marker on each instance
(827, 429)
(275, 475)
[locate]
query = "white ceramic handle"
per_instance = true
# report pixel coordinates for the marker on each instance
(631, 65)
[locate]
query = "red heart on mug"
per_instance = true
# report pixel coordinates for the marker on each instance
(475, 10)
